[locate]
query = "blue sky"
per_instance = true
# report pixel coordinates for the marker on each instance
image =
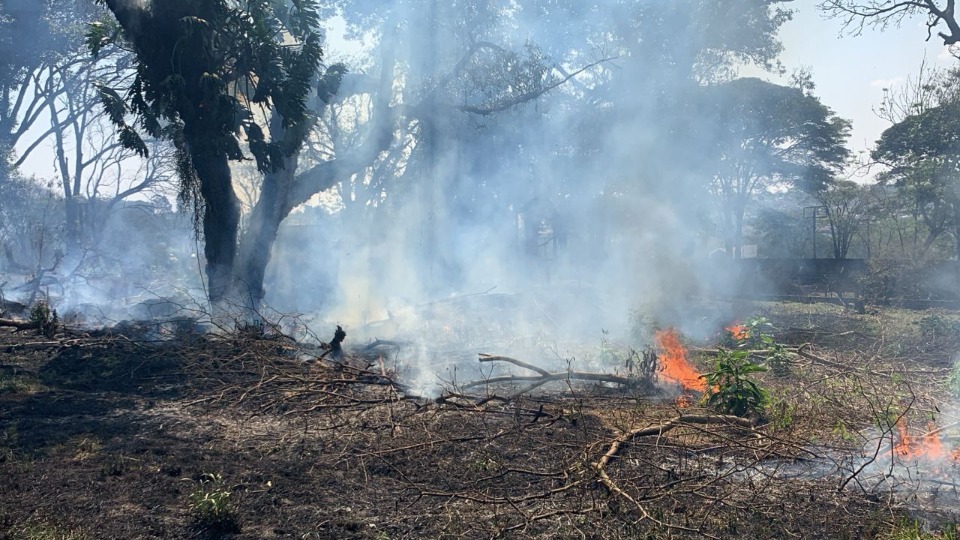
(851, 71)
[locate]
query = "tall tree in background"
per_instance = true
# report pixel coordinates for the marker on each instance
(48, 104)
(922, 152)
(846, 205)
(768, 136)
(921, 146)
(207, 71)
(38, 39)
(34, 22)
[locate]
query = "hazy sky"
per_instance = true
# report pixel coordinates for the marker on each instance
(851, 71)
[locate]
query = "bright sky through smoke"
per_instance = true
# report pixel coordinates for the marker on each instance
(851, 71)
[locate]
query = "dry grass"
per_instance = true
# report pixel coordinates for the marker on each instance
(123, 428)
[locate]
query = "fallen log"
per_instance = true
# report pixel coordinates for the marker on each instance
(660, 429)
(383, 344)
(802, 351)
(19, 325)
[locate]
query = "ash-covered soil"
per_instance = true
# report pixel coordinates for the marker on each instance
(125, 436)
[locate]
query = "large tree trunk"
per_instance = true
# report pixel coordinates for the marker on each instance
(257, 242)
(221, 216)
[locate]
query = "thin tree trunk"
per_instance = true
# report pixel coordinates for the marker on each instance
(257, 243)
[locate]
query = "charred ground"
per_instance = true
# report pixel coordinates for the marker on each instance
(119, 435)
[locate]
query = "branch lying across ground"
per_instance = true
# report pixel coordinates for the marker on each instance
(618, 443)
(544, 376)
(802, 351)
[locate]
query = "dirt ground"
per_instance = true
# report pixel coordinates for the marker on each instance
(134, 433)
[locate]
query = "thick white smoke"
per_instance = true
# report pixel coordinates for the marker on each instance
(575, 208)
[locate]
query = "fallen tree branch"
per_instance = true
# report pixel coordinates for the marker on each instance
(802, 351)
(667, 426)
(751, 352)
(544, 376)
(19, 325)
(514, 361)
(618, 443)
(383, 343)
(560, 376)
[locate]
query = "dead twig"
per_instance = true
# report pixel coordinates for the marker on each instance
(618, 443)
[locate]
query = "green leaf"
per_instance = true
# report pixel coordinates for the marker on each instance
(131, 140)
(113, 103)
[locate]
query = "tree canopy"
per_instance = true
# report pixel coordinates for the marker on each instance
(207, 71)
(765, 135)
(922, 153)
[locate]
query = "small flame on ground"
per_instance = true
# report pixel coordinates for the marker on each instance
(673, 361)
(928, 446)
(739, 332)
(684, 401)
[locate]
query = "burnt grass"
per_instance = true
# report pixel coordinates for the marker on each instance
(113, 435)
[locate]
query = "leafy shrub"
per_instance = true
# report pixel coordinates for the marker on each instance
(731, 391)
(756, 334)
(47, 320)
(779, 360)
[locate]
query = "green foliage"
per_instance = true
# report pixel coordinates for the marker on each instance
(953, 382)
(203, 65)
(731, 390)
(782, 132)
(779, 360)
(938, 326)
(101, 34)
(211, 505)
(846, 205)
(910, 529)
(756, 335)
(47, 320)
(921, 151)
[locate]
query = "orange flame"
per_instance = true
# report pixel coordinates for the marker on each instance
(929, 446)
(684, 401)
(673, 361)
(739, 332)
